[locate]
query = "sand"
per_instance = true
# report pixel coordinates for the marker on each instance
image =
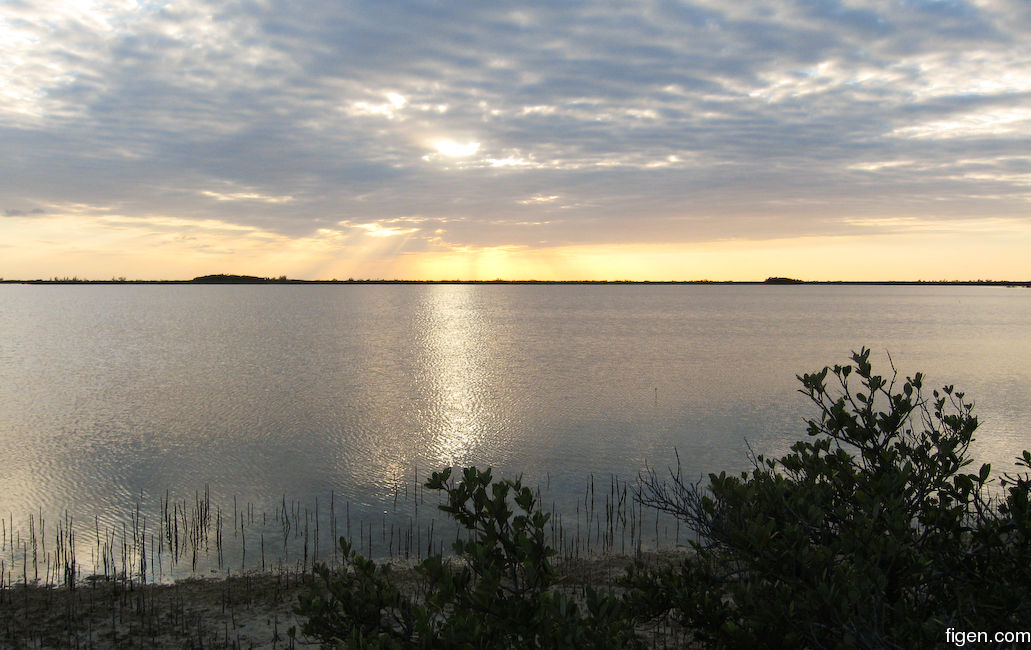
(249, 611)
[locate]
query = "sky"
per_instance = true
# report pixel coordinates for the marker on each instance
(652, 140)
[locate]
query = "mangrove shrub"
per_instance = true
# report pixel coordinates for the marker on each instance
(497, 591)
(873, 532)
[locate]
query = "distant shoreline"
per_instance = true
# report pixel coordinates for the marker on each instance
(250, 280)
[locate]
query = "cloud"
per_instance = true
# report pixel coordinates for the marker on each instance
(246, 196)
(651, 122)
(376, 230)
(15, 212)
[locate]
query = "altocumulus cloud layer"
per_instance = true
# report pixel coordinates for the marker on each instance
(452, 126)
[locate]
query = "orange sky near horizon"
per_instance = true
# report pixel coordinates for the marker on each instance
(174, 249)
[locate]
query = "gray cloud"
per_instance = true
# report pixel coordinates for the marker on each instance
(656, 121)
(15, 212)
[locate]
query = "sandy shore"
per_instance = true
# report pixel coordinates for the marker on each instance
(249, 611)
(252, 611)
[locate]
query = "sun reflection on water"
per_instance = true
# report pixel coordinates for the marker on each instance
(456, 347)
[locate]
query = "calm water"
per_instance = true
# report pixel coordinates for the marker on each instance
(110, 395)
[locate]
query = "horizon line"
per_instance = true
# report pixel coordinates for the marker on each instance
(250, 279)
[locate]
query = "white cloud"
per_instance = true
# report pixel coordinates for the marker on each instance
(390, 109)
(247, 196)
(989, 122)
(538, 199)
(377, 230)
(992, 225)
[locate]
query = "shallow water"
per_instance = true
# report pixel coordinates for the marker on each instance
(112, 395)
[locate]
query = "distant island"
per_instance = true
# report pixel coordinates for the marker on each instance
(229, 278)
(222, 278)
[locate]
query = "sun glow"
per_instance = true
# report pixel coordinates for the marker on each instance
(454, 149)
(158, 247)
(904, 255)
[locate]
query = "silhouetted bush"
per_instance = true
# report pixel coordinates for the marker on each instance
(496, 593)
(869, 534)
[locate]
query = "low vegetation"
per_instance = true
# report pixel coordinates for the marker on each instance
(497, 592)
(870, 533)
(250, 611)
